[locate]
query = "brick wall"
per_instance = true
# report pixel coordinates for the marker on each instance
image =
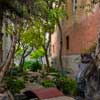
(82, 34)
(82, 29)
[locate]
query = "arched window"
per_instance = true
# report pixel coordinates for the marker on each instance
(53, 47)
(67, 42)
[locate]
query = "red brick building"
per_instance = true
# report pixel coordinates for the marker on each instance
(80, 30)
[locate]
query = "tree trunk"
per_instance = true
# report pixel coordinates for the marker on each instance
(94, 70)
(10, 95)
(24, 55)
(12, 60)
(22, 64)
(1, 19)
(98, 46)
(10, 55)
(98, 59)
(46, 47)
(60, 49)
(47, 61)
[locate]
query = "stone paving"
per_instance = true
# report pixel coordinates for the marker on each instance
(61, 98)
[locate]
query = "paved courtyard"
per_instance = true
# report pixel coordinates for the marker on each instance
(61, 98)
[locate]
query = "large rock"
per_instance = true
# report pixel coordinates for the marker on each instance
(34, 74)
(4, 96)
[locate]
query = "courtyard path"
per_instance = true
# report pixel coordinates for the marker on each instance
(61, 98)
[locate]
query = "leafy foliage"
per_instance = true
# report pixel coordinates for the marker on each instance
(67, 85)
(53, 70)
(36, 19)
(48, 83)
(41, 21)
(37, 54)
(14, 72)
(33, 65)
(15, 85)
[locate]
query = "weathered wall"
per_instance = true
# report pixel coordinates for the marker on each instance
(82, 35)
(70, 64)
(82, 29)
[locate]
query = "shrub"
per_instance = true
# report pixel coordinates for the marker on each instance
(28, 64)
(48, 83)
(13, 72)
(66, 85)
(14, 85)
(33, 65)
(52, 69)
(36, 66)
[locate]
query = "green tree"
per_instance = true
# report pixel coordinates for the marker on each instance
(29, 40)
(13, 10)
(45, 12)
(53, 14)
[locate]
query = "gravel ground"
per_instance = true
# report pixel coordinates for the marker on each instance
(61, 98)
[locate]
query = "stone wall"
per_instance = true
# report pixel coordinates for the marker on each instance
(70, 64)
